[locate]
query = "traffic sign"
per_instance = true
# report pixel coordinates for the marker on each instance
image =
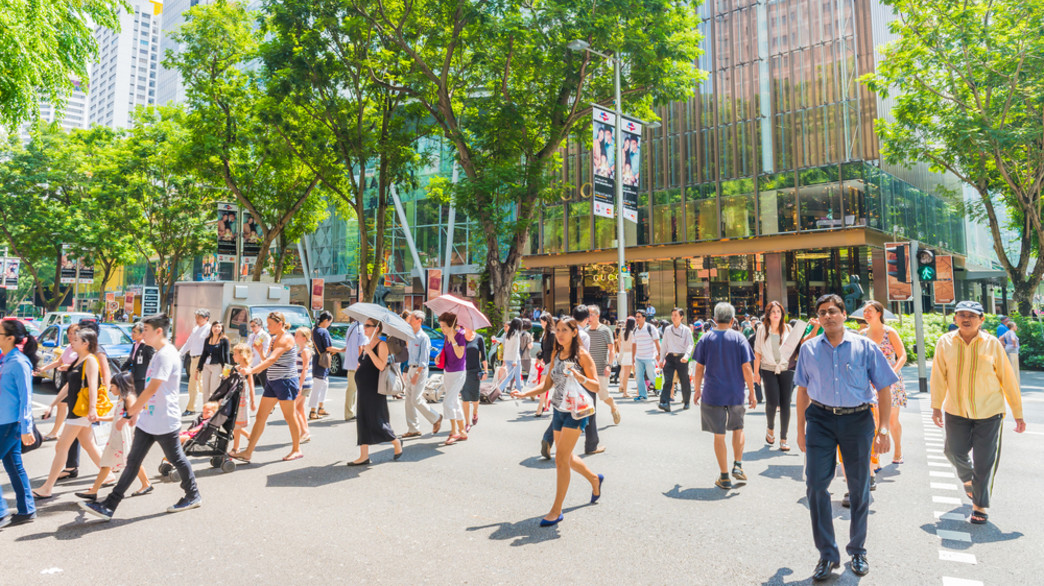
(150, 298)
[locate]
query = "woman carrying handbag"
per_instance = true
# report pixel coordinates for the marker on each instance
(16, 416)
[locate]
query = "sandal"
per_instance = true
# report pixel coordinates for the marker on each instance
(313, 415)
(770, 438)
(322, 412)
(40, 497)
(69, 473)
(897, 462)
(783, 447)
(979, 517)
(451, 440)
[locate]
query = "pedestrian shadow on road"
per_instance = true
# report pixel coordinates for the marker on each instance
(781, 575)
(765, 453)
(526, 532)
(699, 494)
(988, 533)
(85, 524)
(538, 463)
(313, 476)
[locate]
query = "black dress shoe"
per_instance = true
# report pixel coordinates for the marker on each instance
(824, 570)
(365, 462)
(860, 567)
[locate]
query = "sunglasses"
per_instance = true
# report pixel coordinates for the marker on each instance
(369, 326)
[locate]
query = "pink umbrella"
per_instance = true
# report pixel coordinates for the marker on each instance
(468, 315)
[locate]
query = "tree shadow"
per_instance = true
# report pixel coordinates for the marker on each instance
(794, 472)
(699, 494)
(526, 532)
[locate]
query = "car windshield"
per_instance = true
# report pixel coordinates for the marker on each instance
(111, 335)
(433, 333)
(338, 332)
(296, 316)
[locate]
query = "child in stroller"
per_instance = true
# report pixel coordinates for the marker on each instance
(212, 436)
(209, 409)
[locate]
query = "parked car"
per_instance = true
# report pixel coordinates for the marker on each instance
(33, 327)
(64, 318)
(112, 339)
(339, 330)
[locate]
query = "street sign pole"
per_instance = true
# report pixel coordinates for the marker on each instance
(915, 281)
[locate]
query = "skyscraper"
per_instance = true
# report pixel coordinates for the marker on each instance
(124, 76)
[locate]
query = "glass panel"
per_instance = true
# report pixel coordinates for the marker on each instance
(854, 195)
(778, 203)
(701, 212)
(579, 226)
(737, 208)
(605, 232)
(819, 198)
(643, 217)
(554, 229)
(668, 226)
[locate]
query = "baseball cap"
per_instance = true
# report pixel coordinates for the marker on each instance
(972, 306)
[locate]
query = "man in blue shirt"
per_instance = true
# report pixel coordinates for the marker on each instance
(836, 375)
(723, 357)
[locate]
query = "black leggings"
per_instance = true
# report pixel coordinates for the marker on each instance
(779, 389)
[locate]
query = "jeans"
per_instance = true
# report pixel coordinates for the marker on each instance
(644, 369)
(171, 447)
(673, 366)
(981, 438)
(779, 388)
(11, 453)
(590, 432)
(514, 375)
(824, 434)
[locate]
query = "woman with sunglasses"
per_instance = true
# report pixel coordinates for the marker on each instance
(569, 361)
(372, 424)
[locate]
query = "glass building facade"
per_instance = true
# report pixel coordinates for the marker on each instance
(767, 184)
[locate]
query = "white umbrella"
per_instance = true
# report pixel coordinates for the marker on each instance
(394, 325)
(468, 315)
(858, 314)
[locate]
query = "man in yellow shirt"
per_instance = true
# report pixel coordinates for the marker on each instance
(971, 378)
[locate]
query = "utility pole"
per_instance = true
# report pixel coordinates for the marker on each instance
(915, 281)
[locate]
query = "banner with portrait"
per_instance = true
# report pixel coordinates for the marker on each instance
(317, 294)
(68, 262)
(603, 159)
(86, 272)
(11, 267)
(227, 215)
(252, 237)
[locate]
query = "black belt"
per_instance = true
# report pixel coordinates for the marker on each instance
(842, 410)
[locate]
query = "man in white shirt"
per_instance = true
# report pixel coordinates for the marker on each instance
(677, 350)
(258, 340)
(603, 350)
(155, 415)
(646, 354)
(354, 341)
(193, 346)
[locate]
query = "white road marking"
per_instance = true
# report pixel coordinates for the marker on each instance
(956, 556)
(944, 486)
(1034, 432)
(953, 535)
(950, 516)
(936, 456)
(947, 581)
(933, 450)
(946, 500)
(941, 464)
(938, 474)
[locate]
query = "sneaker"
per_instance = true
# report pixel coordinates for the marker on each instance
(188, 413)
(665, 407)
(737, 473)
(185, 504)
(17, 519)
(873, 483)
(846, 502)
(97, 509)
(723, 483)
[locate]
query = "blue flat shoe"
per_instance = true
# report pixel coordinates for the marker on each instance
(546, 523)
(595, 497)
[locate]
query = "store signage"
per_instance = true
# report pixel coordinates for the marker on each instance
(603, 159)
(150, 300)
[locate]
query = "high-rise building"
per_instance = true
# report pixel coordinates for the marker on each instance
(72, 117)
(124, 76)
(169, 87)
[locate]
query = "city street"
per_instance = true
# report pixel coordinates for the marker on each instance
(468, 513)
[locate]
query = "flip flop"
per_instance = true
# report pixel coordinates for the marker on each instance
(979, 517)
(40, 497)
(292, 458)
(239, 457)
(897, 462)
(147, 490)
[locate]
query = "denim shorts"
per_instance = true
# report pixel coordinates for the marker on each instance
(284, 389)
(564, 419)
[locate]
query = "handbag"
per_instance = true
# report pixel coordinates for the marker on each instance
(102, 404)
(36, 444)
(391, 380)
(576, 400)
(324, 360)
(440, 359)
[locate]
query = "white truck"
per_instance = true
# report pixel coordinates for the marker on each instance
(234, 304)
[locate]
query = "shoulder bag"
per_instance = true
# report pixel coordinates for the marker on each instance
(102, 405)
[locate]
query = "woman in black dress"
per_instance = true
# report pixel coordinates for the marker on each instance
(477, 365)
(373, 423)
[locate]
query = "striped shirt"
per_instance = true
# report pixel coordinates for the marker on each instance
(645, 342)
(286, 365)
(973, 380)
(307, 386)
(601, 338)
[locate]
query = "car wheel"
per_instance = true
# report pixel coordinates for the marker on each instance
(335, 365)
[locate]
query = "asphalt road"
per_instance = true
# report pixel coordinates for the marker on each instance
(468, 513)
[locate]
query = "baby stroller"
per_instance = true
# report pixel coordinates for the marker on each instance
(216, 436)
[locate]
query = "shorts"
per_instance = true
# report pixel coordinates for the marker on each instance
(78, 421)
(472, 389)
(603, 387)
(718, 419)
(564, 419)
(284, 389)
(306, 392)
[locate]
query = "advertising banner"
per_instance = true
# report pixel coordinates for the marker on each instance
(11, 266)
(251, 238)
(603, 158)
(317, 294)
(227, 214)
(897, 259)
(434, 283)
(944, 292)
(473, 285)
(68, 266)
(86, 272)
(128, 303)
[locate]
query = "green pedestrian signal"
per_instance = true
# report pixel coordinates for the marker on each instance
(926, 265)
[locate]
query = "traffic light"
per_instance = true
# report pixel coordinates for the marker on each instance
(896, 256)
(926, 270)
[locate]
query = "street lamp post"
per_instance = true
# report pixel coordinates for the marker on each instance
(621, 262)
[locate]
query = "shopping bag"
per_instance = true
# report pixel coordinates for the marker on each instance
(658, 384)
(577, 401)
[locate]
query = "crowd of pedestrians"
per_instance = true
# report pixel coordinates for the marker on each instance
(846, 386)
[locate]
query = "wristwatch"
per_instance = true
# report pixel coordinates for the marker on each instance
(882, 431)
(126, 415)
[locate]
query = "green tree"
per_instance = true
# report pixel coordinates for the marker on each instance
(230, 138)
(359, 137)
(968, 81)
(170, 210)
(44, 48)
(502, 87)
